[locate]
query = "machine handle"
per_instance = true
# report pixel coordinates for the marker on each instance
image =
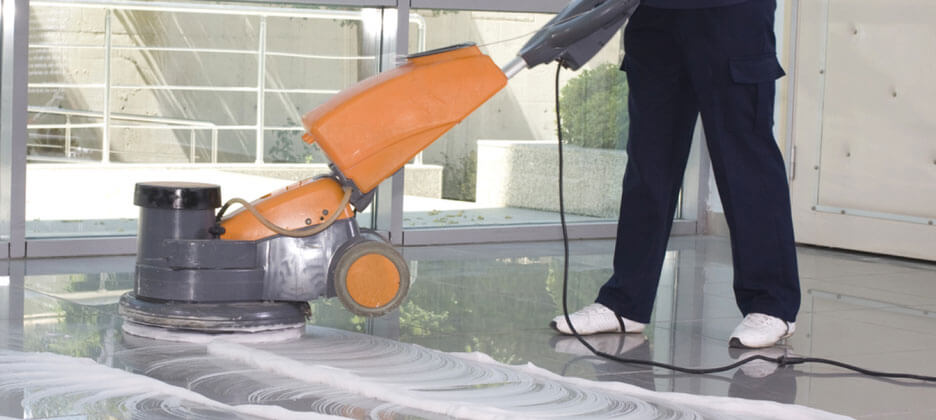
(577, 33)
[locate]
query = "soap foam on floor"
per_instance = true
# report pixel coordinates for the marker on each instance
(57, 386)
(342, 373)
(474, 386)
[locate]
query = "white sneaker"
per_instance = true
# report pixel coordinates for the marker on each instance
(759, 331)
(596, 318)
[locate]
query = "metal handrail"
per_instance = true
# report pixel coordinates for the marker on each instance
(69, 113)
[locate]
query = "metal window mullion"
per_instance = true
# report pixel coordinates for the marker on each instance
(399, 179)
(13, 116)
(261, 82)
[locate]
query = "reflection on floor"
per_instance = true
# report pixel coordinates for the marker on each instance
(494, 299)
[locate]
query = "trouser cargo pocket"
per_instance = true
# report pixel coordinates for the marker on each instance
(754, 79)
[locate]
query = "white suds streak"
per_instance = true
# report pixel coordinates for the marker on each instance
(511, 395)
(721, 405)
(349, 382)
(86, 384)
(397, 372)
(434, 375)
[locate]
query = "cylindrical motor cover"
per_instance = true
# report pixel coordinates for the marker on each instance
(173, 210)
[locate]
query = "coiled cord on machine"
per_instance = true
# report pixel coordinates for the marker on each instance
(781, 361)
(299, 233)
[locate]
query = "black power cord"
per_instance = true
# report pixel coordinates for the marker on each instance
(781, 361)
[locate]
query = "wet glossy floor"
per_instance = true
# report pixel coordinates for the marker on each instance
(492, 299)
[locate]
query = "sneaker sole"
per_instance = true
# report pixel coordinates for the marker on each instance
(736, 343)
(555, 327)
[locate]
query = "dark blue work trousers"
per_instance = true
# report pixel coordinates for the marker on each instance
(720, 62)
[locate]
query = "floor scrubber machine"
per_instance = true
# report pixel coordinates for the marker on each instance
(256, 268)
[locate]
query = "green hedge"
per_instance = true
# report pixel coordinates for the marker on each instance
(594, 108)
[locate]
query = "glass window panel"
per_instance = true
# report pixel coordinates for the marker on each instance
(312, 73)
(499, 165)
(221, 107)
(285, 108)
(66, 26)
(336, 34)
(53, 65)
(287, 146)
(75, 142)
(156, 68)
(45, 101)
(172, 29)
(185, 101)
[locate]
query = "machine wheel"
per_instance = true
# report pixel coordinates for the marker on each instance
(370, 277)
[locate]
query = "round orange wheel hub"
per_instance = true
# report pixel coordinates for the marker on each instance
(373, 281)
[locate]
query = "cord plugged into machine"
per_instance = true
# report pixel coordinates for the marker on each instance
(781, 361)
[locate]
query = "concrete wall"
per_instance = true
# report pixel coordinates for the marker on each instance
(525, 174)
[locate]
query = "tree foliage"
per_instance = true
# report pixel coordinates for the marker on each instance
(594, 108)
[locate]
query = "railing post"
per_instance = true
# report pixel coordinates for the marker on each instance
(68, 141)
(261, 84)
(214, 144)
(105, 139)
(192, 145)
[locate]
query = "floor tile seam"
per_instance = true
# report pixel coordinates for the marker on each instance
(871, 275)
(871, 269)
(885, 326)
(927, 294)
(842, 254)
(895, 413)
(875, 289)
(868, 309)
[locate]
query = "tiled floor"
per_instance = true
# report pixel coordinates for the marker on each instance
(496, 299)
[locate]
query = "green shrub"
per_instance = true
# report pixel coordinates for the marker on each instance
(594, 108)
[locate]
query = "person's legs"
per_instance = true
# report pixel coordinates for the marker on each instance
(663, 113)
(733, 69)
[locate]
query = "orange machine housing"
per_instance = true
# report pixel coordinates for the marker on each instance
(372, 129)
(297, 206)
